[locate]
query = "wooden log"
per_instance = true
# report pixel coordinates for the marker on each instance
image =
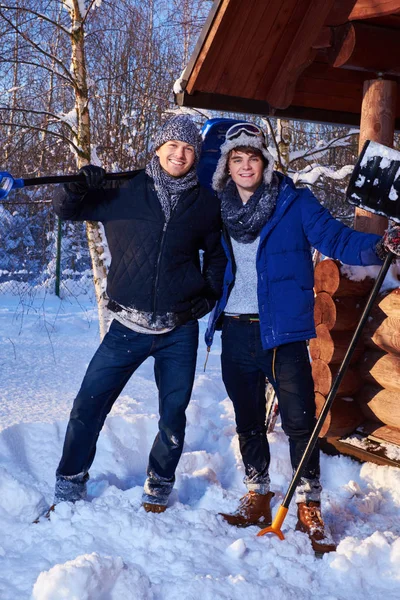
(324, 310)
(378, 112)
(390, 303)
(324, 374)
(343, 417)
(329, 278)
(379, 404)
(379, 368)
(370, 451)
(383, 333)
(331, 346)
(376, 431)
(339, 314)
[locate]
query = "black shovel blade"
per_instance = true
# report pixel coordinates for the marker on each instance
(375, 181)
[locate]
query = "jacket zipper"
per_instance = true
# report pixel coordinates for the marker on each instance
(158, 270)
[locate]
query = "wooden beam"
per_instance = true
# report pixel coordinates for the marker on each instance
(377, 124)
(295, 111)
(224, 103)
(195, 60)
(207, 38)
(369, 9)
(369, 451)
(324, 39)
(339, 14)
(366, 48)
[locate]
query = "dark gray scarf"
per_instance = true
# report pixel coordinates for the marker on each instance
(245, 221)
(169, 188)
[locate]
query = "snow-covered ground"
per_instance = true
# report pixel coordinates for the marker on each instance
(109, 548)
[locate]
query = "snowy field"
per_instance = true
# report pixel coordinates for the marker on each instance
(109, 548)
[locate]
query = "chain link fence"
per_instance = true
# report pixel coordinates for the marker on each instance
(39, 251)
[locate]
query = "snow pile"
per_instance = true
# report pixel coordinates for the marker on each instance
(92, 573)
(109, 548)
(392, 279)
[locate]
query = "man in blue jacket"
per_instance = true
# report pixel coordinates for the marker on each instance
(266, 313)
(156, 223)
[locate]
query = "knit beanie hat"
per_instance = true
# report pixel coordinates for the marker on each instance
(181, 128)
(241, 134)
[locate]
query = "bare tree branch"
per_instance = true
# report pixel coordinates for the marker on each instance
(39, 49)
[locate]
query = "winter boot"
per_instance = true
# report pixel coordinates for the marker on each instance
(154, 508)
(156, 492)
(253, 509)
(311, 523)
(70, 488)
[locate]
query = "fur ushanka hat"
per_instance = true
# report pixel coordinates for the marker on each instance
(245, 135)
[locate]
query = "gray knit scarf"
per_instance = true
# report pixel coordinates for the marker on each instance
(245, 221)
(169, 188)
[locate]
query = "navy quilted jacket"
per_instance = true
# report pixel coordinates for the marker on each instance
(284, 264)
(155, 267)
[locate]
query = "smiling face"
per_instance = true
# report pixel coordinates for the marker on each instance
(246, 170)
(176, 158)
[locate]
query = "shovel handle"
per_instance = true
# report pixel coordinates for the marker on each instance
(283, 509)
(339, 376)
(8, 183)
(68, 178)
(276, 524)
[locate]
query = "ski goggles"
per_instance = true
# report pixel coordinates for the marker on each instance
(247, 128)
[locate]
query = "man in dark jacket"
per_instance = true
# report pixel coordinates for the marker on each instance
(155, 223)
(266, 311)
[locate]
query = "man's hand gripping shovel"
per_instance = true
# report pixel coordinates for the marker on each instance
(374, 186)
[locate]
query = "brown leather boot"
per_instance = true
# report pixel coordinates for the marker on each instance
(253, 509)
(311, 523)
(154, 508)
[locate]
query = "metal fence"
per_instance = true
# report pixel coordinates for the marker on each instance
(37, 250)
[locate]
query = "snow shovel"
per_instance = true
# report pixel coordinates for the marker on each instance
(8, 183)
(374, 186)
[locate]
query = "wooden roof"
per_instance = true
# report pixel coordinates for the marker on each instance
(303, 59)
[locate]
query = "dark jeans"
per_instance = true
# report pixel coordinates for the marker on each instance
(121, 352)
(245, 365)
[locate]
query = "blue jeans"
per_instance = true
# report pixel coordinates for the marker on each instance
(245, 365)
(121, 352)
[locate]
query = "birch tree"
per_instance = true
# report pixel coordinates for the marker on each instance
(97, 242)
(75, 124)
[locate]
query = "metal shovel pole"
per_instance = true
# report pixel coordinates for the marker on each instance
(8, 182)
(284, 507)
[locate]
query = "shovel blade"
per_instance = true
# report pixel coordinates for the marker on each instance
(375, 181)
(6, 184)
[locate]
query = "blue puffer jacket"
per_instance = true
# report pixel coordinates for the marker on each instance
(284, 264)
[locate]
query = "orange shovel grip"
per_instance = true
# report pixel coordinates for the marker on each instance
(276, 524)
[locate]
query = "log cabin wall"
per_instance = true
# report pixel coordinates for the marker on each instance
(370, 391)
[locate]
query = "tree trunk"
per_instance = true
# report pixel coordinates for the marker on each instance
(96, 239)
